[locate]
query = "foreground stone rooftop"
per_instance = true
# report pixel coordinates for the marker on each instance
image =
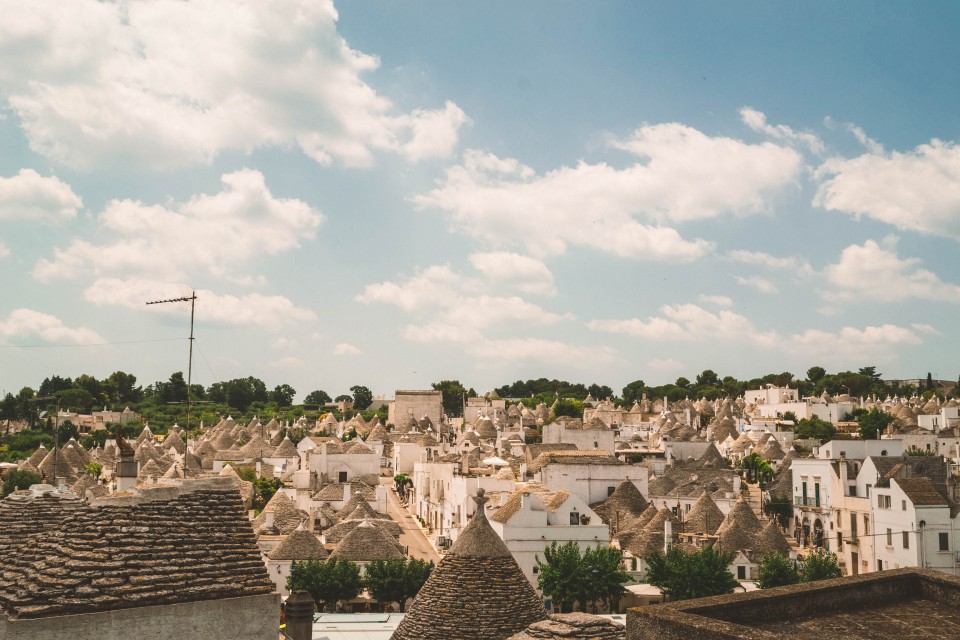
(157, 546)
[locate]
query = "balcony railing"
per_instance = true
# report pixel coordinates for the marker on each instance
(801, 501)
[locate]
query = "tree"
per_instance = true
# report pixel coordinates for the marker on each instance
(682, 382)
(600, 391)
(633, 392)
(873, 423)
(708, 379)
(820, 565)
(569, 407)
(67, 430)
(94, 469)
(402, 480)
(870, 372)
(561, 574)
(452, 392)
(121, 388)
(318, 398)
(326, 582)
(79, 400)
(815, 374)
(929, 386)
(757, 469)
(282, 395)
(814, 427)
(605, 575)
(682, 575)
(777, 570)
(17, 479)
(396, 580)
(362, 397)
(51, 385)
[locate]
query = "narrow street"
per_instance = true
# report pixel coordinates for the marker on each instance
(412, 537)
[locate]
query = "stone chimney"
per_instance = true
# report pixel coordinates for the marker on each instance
(346, 492)
(299, 616)
(269, 519)
(842, 472)
(667, 535)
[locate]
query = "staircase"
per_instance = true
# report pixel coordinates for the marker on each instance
(755, 498)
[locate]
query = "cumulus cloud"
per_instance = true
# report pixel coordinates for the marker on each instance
(680, 174)
(456, 312)
(684, 322)
(757, 121)
(852, 344)
(874, 271)
(30, 196)
(665, 365)
(346, 349)
(918, 190)
(220, 234)
(512, 269)
(551, 352)
(171, 83)
(26, 324)
(253, 309)
(4, 250)
(798, 266)
(756, 282)
(287, 362)
(720, 301)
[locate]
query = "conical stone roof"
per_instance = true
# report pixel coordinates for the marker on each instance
(477, 591)
(299, 545)
(625, 500)
(772, 541)
(744, 515)
(367, 543)
(704, 517)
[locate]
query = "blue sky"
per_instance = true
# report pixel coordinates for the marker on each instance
(394, 193)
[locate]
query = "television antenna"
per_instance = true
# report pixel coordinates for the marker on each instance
(192, 299)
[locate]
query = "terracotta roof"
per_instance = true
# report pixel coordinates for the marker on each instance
(140, 550)
(477, 591)
(921, 491)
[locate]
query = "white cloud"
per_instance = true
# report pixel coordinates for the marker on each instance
(915, 191)
(850, 344)
(798, 266)
(172, 83)
(872, 145)
(221, 234)
(757, 121)
(539, 350)
(720, 301)
(281, 342)
(665, 365)
(30, 196)
(687, 322)
(254, 309)
(760, 284)
(522, 272)
(680, 174)
(874, 271)
(456, 312)
(27, 323)
(922, 327)
(4, 250)
(346, 349)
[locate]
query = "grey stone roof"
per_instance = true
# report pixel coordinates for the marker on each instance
(477, 591)
(625, 499)
(704, 517)
(299, 545)
(367, 543)
(136, 550)
(573, 626)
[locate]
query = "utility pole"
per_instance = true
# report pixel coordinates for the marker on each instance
(192, 299)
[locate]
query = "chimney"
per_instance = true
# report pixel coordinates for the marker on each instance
(736, 484)
(269, 522)
(667, 535)
(346, 492)
(842, 472)
(299, 616)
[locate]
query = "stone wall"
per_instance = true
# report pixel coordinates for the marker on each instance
(249, 617)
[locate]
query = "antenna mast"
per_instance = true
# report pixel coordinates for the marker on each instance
(192, 299)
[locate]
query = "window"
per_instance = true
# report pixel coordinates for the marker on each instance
(903, 505)
(889, 538)
(879, 565)
(342, 477)
(906, 539)
(853, 526)
(944, 541)
(536, 569)
(610, 491)
(574, 517)
(883, 502)
(869, 486)
(866, 525)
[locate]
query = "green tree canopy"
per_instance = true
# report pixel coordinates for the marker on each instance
(873, 423)
(814, 427)
(815, 374)
(396, 580)
(282, 395)
(317, 397)
(605, 575)
(453, 393)
(17, 479)
(570, 577)
(362, 397)
(633, 392)
(326, 582)
(777, 570)
(820, 565)
(683, 575)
